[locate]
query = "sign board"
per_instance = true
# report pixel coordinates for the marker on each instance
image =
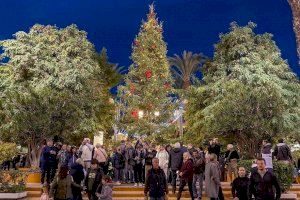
(98, 138)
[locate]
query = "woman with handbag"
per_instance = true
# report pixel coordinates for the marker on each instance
(100, 155)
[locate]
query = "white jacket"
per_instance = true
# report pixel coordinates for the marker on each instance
(87, 151)
(163, 157)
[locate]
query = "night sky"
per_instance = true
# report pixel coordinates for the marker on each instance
(192, 25)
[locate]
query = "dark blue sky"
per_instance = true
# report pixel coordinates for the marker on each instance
(188, 24)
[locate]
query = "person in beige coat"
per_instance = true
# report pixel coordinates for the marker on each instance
(212, 177)
(100, 155)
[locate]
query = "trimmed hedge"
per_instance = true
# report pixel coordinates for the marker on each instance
(283, 172)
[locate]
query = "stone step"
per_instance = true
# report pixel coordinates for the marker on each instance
(34, 194)
(140, 188)
(124, 198)
(134, 194)
(129, 192)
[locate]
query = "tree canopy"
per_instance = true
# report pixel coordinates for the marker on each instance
(249, 92)
(51, 84)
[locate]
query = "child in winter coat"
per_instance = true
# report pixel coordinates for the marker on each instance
(45, 194)
(106, 189)
(93, 180)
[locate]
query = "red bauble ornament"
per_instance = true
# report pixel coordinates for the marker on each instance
(135, 114)
(167, 85)
(148, 74)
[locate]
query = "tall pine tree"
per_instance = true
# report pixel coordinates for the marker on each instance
(146, 105)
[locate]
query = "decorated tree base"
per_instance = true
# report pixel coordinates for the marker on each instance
(33, 176)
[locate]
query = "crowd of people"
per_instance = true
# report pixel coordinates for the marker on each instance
(69, 170)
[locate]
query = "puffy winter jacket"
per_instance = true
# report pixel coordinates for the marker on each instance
(187, 170)
(176, 159)
(156, 183)
(118, 161)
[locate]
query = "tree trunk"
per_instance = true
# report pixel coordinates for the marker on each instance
(34, 153)
(249, 146)
(295, 6)
(186, 84)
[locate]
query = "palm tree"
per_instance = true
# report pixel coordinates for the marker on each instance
(184, 68)
(295, 6)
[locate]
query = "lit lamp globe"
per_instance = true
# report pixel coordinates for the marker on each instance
(141, 114)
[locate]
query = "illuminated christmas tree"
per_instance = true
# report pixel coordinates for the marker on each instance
(145, 99)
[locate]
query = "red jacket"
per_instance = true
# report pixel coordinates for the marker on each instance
(187, 170)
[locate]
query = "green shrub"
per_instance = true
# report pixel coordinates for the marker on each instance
(12, 181)
(7, 151)
(283, 172)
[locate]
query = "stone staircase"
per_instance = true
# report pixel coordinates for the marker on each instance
(129, 192)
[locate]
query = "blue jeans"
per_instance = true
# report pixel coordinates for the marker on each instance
(129, 173)
(118, 175)
(174, 177)
(198, 178)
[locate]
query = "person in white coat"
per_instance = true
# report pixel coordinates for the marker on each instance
(266, 153)
(163, 157)
(86, 150)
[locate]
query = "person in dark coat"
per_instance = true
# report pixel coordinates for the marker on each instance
(156, 182)
(93, 180)
(186, 175)
(76, 171)
(72, 156)
(282, 152)
(138, 167)
(262, 183)
(214, 147)
(176, 160)
(191, 149)
(150, 154)
(118, 162)
(129, 163)
(199, 169)
(240, 186)
(49, 162)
